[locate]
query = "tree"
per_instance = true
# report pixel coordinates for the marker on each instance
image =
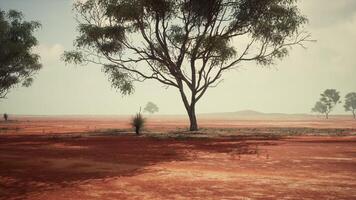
(320, 108)
(17, 63)
(350, 103)
(329, 98)
(151, 108)
(184, 44)
(6, 116)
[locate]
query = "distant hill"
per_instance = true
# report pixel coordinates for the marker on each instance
(247, 112)
(252, 114)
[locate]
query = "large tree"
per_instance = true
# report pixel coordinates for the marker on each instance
(17, 62)
(328, 100)
(185, 44)
(350, 103)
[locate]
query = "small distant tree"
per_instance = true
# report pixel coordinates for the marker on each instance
(17, 63)
(328, 100)
(320, 108)
(151, 108)
(6, 116)
(350, 103)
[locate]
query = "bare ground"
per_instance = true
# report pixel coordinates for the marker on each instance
(100, 159)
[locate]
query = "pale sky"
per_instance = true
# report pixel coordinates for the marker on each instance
(291, 86)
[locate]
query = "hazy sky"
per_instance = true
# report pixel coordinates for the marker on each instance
(292, 86)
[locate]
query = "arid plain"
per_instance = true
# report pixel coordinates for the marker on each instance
(82, 157)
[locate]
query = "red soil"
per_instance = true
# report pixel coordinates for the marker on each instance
(131, 167)
(59, 125)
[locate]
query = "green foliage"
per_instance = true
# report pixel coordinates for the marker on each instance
(320, 108)
(328, 100)
(138, 122)
(73, 57)
(107, 40)
(168, 26)
(119, 79)
(350, 103)
(330, 97)
(177, 34)
(269, 19)
(219, 48)
(203, 10)
(151, 108)
(17, 63)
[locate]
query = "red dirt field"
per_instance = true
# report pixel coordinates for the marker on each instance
(92, 158)
(80, 124)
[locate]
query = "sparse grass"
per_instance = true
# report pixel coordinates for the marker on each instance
(110, 132)
(9, 129)
(276, 131)
(251, 133)
(138, 122)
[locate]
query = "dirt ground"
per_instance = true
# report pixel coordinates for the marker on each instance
(99, 158)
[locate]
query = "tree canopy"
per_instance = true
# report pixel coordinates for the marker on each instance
(320, 108)
(17, 63)
(328, 100)
(151, 108)
(185, 44)
(350, 103)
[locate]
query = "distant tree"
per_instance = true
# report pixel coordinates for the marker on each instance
(329, 98)
(185, 44)
(17, 63)
(6, 116)
(320, 108)
(151, 108)
(350, 103)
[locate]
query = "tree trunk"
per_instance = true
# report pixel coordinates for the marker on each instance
(189, 107)
(327, 116)
(192, 118)
(353, 112)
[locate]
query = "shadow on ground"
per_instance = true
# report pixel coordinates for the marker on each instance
(34, 164)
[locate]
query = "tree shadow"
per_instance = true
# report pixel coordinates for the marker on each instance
(36, 164)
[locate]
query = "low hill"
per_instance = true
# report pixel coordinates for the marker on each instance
(251, 114)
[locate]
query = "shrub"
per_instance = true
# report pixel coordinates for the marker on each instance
(137, 122)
